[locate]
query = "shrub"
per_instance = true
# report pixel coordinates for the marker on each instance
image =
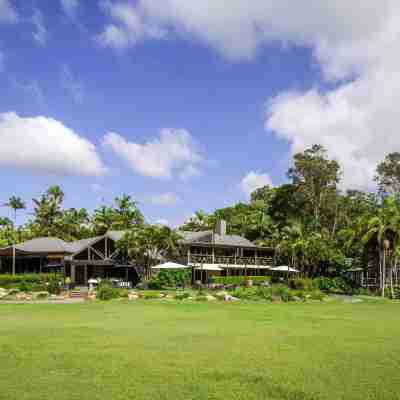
(317, 295)
(300, 294)
(24, 287)
(201, 298)
(42, 295)
(264, 293)
(123, 293)
(301, 284)
(182, 295)
(283, 292)
(12, 281)
(245, 293)
(105, 291)
(334, 285)
(13, 292)
(240, 280)
(53, 286)
(151, 295)
(170, 278)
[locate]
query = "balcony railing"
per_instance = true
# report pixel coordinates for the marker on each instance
(229, 260)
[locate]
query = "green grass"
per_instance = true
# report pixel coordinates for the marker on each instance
(190, 350)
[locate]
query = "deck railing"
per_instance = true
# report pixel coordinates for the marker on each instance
(229, 260)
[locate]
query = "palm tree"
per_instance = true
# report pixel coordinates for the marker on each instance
(128, 213)
(103, 219)
(16, 204)
(383, 227)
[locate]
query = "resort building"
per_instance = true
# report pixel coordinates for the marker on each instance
(208, 253)
(217, 253)
(80, 260)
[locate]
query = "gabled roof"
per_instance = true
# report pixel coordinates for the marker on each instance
(52, 245)
(207, 237)
(44, 245)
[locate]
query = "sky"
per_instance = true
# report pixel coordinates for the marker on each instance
(189, 105)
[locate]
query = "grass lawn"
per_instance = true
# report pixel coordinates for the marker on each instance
(160, 350)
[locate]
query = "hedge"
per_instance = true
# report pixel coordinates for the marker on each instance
(240, 280)
(8, 280)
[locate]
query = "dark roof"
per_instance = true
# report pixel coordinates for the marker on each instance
(52, 245)
(207, 237)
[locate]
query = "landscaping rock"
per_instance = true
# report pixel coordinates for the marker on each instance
(133, 296)
(221, 295)
(209, 297)
(228, 297)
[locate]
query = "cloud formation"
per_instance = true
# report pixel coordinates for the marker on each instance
(40, 34)
(355, 44)
(70, 7)
(127, 27)
(45, 145)
(172, 152)
(254, 180)
(165, 199)
(7, 12)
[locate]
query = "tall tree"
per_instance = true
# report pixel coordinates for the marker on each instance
(388, 174)
(315, 176)
(127, 213)
(16, 204)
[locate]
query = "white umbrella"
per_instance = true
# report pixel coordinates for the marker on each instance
(209, 267)
(284, 268)
(170, 265)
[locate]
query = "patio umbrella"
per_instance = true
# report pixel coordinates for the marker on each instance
(284, 268)
(170, 265)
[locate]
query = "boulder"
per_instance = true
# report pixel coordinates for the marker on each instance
(228, 297)
(221, 295)
(133, 296)
(209, 297)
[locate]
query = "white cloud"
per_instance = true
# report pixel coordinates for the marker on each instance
(40, 34)
(357, 121)
(45, 145)
(128, 26)
(174, 151)
(254, 180)
(165, 199)
(189, 172)
(70, 7)
(74, 88)
(162, 222)
(7, 12)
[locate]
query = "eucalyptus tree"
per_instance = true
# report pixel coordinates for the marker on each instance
(388, 174)
(315, 177)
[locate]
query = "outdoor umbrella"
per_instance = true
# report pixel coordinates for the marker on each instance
(170, 265)
(284, 268)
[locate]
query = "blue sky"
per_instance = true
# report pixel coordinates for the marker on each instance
(236, 101)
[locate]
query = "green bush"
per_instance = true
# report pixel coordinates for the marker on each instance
(317, 295)
(301, 284)
(182, 295)
(123, 293)
(170, 279)
(264, 293)
(240, 280)
(300, 294)
(105, 291)
(151, 295)
(333, 285)
(283, 292)
(201, 298)
(53, 286)
(12, 281)
(42, 295)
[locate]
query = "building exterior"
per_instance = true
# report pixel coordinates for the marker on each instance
(219, 254)
(81, 260)
(208, 253)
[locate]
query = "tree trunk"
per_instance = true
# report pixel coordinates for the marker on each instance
(383, 272)
(391, 277)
